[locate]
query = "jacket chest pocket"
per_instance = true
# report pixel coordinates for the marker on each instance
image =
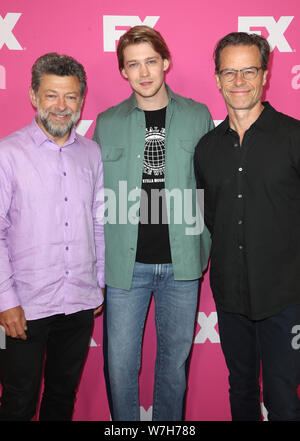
(111, 154)
(114, 165)
(187, 148)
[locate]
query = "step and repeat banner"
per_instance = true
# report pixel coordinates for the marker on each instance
(89, 31)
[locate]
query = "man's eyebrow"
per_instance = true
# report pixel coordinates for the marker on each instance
(144, 59)
(67, 93)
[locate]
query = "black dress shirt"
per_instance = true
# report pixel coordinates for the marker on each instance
(252, 209)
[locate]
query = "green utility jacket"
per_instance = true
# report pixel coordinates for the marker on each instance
(120, 133)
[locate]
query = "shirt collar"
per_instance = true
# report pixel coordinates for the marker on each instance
(265, 121)
(39, 136)
(132, 102)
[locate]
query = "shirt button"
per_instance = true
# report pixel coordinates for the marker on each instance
(139, 156)
(66, 199)
(236, 144)
(240, 222)
(67, 272)
(241, 247)
(240, 169)
(240, 196)
(67, 248)
(66, 224)
(65, 174)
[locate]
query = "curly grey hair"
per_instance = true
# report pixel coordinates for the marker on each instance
(61, 65)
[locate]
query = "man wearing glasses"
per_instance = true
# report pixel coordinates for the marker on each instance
(249, 167)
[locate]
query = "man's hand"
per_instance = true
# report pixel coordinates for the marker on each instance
(98, 310)
(14, 322)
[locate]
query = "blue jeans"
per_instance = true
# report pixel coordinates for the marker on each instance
(125, 313)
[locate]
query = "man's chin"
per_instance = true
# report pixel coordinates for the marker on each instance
(57, 130)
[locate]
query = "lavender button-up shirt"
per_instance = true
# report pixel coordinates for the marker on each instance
(51, 229)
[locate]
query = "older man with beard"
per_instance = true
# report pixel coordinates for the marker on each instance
(51, 246)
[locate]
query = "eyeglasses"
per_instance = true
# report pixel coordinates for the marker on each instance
(248, 73)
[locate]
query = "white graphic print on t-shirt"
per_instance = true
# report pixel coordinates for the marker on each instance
(154, 155)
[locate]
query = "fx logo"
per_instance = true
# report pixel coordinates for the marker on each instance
(145, 415)
(207, 328)
(83, 126)
(111, 22)
(275, 29)
(7, 25)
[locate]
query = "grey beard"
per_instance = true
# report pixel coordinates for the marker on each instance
(58, 131)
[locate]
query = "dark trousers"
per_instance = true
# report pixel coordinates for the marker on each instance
(270, 347)
(61, 341)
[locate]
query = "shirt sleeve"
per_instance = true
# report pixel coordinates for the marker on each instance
(200, 183)
(98, 218)
(210, 122)
(8, 295)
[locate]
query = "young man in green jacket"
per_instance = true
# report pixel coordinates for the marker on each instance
(154, 240)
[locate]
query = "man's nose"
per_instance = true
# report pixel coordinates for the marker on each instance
(61, 103)
(239, 79)
(144, 71)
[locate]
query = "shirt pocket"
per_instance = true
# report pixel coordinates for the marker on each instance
(187, 149)
(85, 184)
(111, 153)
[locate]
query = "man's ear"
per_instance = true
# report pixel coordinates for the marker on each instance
(32, 97)
(265, 75)
(166, 64)
(218, 81)
(124, 74)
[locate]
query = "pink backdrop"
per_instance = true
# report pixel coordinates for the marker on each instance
(88, 31)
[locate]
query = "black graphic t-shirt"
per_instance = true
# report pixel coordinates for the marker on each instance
(153, 244)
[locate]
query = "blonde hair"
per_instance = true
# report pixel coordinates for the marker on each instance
(142, 34)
